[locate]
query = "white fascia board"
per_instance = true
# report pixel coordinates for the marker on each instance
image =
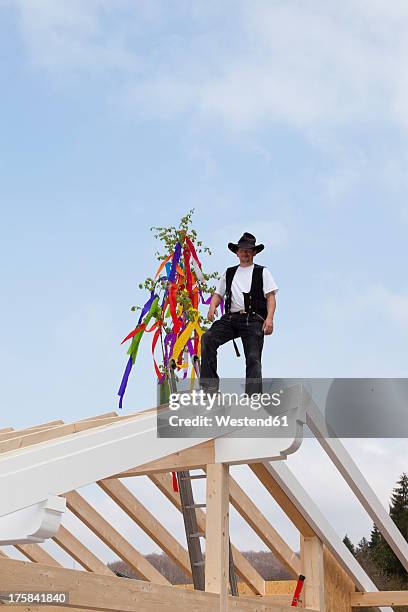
(30, 475)
(358, 484)
(234, 450)
(33, 524)
(309, 510)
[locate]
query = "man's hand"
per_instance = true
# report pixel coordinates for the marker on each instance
(211, 313)
(267, 326)
(215, 302)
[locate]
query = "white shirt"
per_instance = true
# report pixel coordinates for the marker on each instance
(242, 283)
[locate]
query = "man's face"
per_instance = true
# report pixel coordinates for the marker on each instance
(246, 256)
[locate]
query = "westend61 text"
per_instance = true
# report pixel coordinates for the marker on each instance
(209, 400)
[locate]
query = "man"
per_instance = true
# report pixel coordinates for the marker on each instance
(250, 304)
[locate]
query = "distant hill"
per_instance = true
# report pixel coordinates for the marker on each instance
(264, 562)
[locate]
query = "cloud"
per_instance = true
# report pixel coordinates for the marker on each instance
(73, 37)
(245, 63)
(389, 306)
(293, 65)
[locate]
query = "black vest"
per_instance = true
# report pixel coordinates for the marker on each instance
(255, 300)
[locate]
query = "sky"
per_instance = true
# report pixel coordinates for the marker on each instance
(287, 120)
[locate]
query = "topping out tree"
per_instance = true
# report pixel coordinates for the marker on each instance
(172, 310)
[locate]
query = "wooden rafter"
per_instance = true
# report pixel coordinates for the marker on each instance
(146, 521)
(18, 433)
(282, 499)
(188, 459)
(74, 547)
(37, 554)
(263, 528)
(6, 430)
(243, 568)
(112, 538)
(58, 431)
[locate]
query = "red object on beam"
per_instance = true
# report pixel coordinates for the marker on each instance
(298, 591)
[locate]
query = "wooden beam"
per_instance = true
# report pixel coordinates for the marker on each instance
(380, 598)
(262, 527)
(311, 554)
(68, 542)
(112, 538)
(146, 521)
(338, 585)
(188, 459)
(282, 499)
(36, 554)
(243, 568)
(18, 433)
(105, 415)
(217, 532)
(105, 593)
(59, 431)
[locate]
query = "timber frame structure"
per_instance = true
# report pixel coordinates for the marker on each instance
(42, 467)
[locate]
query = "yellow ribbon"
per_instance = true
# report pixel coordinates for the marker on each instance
(185, 335)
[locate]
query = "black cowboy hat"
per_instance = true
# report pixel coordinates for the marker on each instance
(247, 241)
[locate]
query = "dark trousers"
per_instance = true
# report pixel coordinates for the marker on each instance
(248, 327)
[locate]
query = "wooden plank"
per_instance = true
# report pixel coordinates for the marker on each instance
(146, 521)
(381, 598)
(105, 593)
(68, 542)
(112, 538)
(29, 430)
(262, 527)
(105, 415)
(188, 459)
(58, 431)
(12, 433)
(338, 585)
(311, 554)
(36, 554)
(217, 532)
(36, 428)
(242, 566)
(282, 499)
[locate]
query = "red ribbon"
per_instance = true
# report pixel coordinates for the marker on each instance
(193, 251)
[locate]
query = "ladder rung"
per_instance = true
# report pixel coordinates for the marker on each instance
(199, 563)
(194, 476)
(197, 534)
(196, 506)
